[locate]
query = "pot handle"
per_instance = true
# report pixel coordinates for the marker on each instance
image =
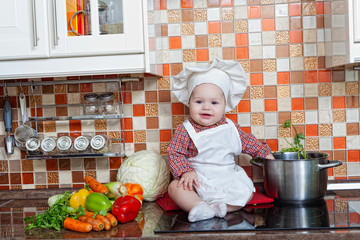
(334, 163)
(257, 162)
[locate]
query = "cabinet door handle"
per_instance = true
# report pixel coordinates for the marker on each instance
(35, 37)
(55, 23)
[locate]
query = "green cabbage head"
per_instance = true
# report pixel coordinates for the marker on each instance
(149, 169)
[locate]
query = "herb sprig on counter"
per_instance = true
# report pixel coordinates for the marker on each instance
(296, 146)
(55, 216)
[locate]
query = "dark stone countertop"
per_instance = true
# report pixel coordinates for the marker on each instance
(17, 204)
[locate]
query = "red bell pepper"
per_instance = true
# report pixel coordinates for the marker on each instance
(126, 208)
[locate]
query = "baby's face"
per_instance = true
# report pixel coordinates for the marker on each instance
(207, 104)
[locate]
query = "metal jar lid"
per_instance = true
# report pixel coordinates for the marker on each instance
(64, 143)
(48, 144)
(32, 144)
(97, 142)
(91, 97)
(81, 143)
(106, 96)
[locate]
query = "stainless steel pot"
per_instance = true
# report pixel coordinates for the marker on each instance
(289, 179)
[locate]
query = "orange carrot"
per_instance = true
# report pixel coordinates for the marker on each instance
(95, 185)
(112, 219)
(76, 225)
(107, 224)
(96, 224)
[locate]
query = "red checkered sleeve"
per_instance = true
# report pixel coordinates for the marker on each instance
(251, 145)
(179, 150)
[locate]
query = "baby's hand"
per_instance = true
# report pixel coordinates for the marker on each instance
(188, 179)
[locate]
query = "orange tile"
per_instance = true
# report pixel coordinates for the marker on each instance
(242, 53)
(268, 24)
(175, 42)
(85, 87)
(297, 104)
(114, 162)
(165, 135)
(232, 117)
(75, 125)
(256, 78)
(338, 102)
(283, 78)
(60, 99)
(273, 144)
(226, 3)
(295, 9)
(242, 39)
(214, 27)
(311, 130)
(202, 55)
(339, 142)
(39, 112)
(296, 37)
(139, 110)
(129, 136)
(28, 178)
(353, 155)
(186, 3)
(126, 97)
(166, 70)
(244, 106)
(254, 12)
(310, 77)
(270, 105)
(178, 109)
(246, 129)
(128, 124)
(319, 8)
(324, 76)
(163, 5)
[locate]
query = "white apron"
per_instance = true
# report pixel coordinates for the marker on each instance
(220, 179)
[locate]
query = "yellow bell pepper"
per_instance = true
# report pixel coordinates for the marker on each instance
(79, 198)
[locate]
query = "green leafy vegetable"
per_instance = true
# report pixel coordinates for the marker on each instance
(55, 216)
(296, 146)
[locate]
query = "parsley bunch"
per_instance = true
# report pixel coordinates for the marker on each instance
(55, 216)
(297, 146)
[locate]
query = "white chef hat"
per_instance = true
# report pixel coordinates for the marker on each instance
(226, 74)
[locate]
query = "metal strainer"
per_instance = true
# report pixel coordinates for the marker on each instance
(23, 132)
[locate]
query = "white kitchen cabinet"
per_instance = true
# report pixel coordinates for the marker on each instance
(342, 32)
(35, 39)
(23, 29)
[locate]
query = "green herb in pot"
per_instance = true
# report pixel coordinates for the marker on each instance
(296, 146)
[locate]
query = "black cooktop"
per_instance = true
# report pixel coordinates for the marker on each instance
(335, 211)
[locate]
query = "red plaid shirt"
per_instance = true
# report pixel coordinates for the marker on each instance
(182, 147)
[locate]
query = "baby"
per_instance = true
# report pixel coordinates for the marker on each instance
(202, 151)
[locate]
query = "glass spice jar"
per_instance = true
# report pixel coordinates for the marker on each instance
(33, 145)
(100, 144)
(91, 106)
(48, 145)
(107, 104)
(81, 143)
(64, 144)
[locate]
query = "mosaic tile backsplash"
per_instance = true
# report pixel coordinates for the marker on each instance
(278, 42)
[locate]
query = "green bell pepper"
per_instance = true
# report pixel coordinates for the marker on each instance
(96, 202)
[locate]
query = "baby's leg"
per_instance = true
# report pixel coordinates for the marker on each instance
(190, 202)
(185, 199)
